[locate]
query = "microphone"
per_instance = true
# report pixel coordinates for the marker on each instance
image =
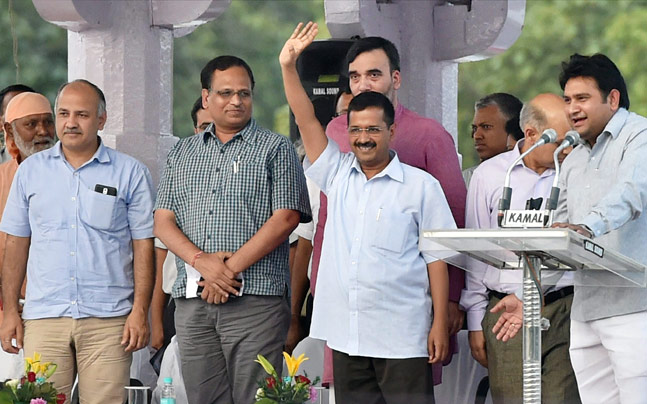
(548, 136)
(572, 138)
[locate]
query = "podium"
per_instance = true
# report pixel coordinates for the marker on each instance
(553, 252)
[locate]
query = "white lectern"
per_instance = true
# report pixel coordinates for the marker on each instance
(551, 251)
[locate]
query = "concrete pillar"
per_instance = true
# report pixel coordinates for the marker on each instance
(126, 48)
(432, 36)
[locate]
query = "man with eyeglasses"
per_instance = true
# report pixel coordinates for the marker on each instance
(374, 295)
(374, 65)
(229, 198)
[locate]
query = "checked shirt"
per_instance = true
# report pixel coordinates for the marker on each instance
(222, 194)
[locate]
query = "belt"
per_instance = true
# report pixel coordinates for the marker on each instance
(549, 298)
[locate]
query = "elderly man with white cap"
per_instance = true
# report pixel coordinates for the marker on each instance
(29, 128)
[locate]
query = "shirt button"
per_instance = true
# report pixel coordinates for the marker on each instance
(73, 226)
(213, 191)
(73, 302)
(76, 174)
(361, 212)
(72, 278)
(356, 238)
(222, 150)
(209, 237)
(72, 253)
(74, 198)
(211, 212)
(353, 262)
(217, 169)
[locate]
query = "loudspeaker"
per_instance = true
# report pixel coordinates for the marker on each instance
(322, 68)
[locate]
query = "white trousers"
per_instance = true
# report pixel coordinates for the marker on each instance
(609, 357)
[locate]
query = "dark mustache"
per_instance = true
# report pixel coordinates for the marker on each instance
(365, 144)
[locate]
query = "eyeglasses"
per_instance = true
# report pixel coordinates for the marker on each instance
(227, 94)
(371, 130)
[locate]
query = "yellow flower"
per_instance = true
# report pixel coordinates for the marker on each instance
(29, 363)
(293, 363)
(48, 369)
(266, 365)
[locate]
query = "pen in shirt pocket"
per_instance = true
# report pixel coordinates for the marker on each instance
(235, 163)
(377, 217)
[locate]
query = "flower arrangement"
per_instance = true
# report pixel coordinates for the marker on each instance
(290, 389)
(33, 388)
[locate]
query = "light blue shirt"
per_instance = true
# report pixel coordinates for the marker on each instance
(605, 188)
(373, 296)
(80, 257)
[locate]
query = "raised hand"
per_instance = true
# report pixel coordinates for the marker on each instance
(300, 39)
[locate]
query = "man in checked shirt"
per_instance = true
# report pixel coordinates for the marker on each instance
(229, 199)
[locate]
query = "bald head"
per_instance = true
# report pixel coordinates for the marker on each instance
(543, 112)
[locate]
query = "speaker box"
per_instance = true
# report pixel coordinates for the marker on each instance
(323, 69)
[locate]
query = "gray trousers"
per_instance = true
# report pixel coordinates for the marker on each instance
(219, 343)
(505, 359)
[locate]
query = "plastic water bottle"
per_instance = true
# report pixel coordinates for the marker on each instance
(168, 391)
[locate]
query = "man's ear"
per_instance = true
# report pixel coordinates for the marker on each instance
(395, 77)
(8, 130)
(531, 135)
(102, 120)
(614, 99)
(205, 95)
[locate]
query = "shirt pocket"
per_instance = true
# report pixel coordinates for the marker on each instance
(97, 210)
(247, 178)
(391, 230)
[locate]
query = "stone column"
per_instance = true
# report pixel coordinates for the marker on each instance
(126, 48)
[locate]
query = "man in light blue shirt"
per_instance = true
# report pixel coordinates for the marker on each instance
(373, 304)
(79, 224)
(604, 195)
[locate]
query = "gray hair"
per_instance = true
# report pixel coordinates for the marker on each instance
(509, 106)
(533, 116)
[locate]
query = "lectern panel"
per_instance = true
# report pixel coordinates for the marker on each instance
(561, 250)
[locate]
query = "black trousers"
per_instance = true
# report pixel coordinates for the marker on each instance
(359, 379)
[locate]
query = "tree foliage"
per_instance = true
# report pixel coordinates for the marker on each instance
(554, 30)
(41, 49)
(255, 30)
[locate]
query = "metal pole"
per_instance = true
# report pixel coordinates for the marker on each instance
(531, 333)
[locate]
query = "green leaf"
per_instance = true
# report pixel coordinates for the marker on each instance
(266, 400)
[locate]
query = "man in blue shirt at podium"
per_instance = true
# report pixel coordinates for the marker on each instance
(604, 192)
(603, 195)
